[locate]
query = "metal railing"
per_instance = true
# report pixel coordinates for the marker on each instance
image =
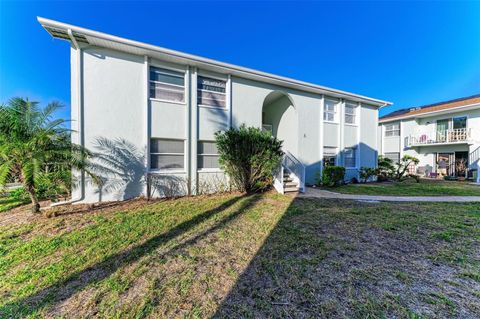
(267, 128)
(439, 137)
(296, 170)
(295, 167)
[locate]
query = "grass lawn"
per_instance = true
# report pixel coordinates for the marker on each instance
(426, 187)
(242, 256)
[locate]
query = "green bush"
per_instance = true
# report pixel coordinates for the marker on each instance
(401, 170)
(18, 194)
(53, 184)
(366, 173)
(249, 156)
(333, 175)
(386, 169)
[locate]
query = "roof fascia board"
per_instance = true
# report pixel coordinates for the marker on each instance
(219, 66)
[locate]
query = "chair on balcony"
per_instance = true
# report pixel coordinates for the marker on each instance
(423, 138)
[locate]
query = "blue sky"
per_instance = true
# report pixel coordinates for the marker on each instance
(409, 53)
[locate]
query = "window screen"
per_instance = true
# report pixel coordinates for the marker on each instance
(350, 113)
(167, 85)
(394, 156)
(211, 92)
(392, 129)
(329, 156)
(329, 110)
(350, 157)
(167, 154)
(207, 155)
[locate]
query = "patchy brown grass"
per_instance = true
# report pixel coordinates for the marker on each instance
(242, 256)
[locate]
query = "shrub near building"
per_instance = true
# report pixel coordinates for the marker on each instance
(249, 156)
(333, 175)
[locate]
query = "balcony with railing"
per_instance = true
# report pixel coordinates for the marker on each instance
(451, 136)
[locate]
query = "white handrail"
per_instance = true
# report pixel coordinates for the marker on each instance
(278, 179)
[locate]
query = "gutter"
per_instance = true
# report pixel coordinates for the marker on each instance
(79, 119)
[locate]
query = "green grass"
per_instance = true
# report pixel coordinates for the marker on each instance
(242, 256)
(411, 188)
(7, 203)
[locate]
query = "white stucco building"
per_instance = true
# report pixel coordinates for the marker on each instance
(447, 132)
(151, 111)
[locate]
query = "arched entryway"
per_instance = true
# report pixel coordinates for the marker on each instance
(279, 116)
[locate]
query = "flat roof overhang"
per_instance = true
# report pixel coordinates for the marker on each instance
(85, 37)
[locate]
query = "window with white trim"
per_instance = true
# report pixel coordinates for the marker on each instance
(392, 129)
(329, 156)
(350, 157)
(350, 113)
(330, 110)
(207, 157)
(211, 92)
(394, 156)
(167, 85)
(167, 154)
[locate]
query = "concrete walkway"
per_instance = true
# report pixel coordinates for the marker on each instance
(320, 193)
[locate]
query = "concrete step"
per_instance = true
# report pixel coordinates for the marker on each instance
(290, 184)
(291, 189)
(287, 179)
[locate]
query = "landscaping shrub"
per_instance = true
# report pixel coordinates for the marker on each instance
(249, 156)
(366, 173)
(333, 175)
(385, 169)
(402, 167)
(54, 184)
(18, 194)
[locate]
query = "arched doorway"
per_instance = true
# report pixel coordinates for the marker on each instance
(279, 116)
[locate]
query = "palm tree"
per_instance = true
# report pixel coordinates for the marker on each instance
(31, 141)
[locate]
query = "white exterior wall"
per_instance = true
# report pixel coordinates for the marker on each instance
(116, 107)
(368, 141)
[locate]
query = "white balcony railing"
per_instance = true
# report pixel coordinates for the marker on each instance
(459, 135)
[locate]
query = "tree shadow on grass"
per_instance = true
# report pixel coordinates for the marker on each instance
(55, 294)
(281, 275)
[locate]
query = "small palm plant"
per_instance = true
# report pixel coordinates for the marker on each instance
(32, 141)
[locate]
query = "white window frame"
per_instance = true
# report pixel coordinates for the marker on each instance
(166, 68)
(392, 130)
(353, 106)
(354, 152)
(226, 93)
(335, 149)
(334, 112)
(173, 170)
(218, 169)
(394, 162)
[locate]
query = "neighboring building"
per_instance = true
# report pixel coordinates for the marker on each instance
(444, 136)
(153, 112)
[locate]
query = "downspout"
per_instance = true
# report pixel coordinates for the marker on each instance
(79, 118)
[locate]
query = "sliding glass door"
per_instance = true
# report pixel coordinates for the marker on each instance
(442, 129)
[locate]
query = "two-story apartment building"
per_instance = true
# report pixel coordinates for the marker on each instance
(444, 136)
(151, 112)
